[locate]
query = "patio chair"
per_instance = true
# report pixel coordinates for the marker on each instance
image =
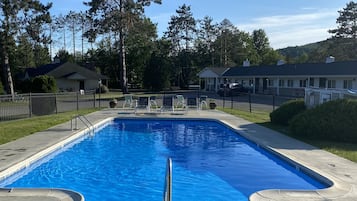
(180, 102)
(153, 102)
(142, 103)
(128, 101)
(203, 102)
(167, 104)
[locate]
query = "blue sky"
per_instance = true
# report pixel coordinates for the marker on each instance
(286, 22)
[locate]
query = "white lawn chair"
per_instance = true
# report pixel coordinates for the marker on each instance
(128, 101)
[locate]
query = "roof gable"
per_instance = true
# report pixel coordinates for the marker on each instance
(212, 72)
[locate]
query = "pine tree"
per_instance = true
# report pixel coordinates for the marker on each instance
(347, 22)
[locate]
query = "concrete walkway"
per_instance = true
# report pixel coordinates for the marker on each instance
(339, 172)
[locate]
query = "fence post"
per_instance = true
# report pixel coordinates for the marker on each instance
(77, 100)
(250, 102)
(232, 101)
(273, 102)
(30, 103)
(94, 99)
(56, 103)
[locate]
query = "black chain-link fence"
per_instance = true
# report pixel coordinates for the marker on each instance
(36, 104)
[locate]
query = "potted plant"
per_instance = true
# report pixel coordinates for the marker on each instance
(113, 103)
(212, 104)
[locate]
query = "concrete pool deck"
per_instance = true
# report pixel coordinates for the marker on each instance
(330, 168)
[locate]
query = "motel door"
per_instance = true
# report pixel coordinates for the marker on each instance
(81, 84)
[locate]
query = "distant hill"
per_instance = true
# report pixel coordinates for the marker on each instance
(341, 49)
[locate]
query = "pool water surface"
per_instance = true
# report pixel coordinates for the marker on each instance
(126, 159)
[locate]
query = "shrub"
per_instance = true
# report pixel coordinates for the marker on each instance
(334, 120)
(287, 111)
(103, 89)
(44, 84)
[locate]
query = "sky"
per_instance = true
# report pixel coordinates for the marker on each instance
(286, 22)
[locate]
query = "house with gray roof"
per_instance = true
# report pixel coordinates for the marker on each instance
(292, 79)
(69, 76)
(211, 78)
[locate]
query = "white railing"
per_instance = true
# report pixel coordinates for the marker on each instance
(168, 181)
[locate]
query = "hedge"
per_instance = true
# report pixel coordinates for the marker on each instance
(287, 111)
(334, 120)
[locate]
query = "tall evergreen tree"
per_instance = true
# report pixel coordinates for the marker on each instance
(16, 16)
(347, 22)
(206, 36)
(117, 16)
(181, 33)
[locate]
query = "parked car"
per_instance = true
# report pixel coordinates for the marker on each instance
(232, 89)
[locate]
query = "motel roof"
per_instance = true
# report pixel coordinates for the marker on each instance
(348, 68)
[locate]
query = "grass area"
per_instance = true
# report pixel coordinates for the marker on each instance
(345, 150)
(13, 130)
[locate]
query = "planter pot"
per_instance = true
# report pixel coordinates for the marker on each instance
(212, 106)
(113, 103)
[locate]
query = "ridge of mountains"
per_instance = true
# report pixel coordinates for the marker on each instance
(343, 49)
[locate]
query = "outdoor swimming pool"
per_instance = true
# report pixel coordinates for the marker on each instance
(126, 159)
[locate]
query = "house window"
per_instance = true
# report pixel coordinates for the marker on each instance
(271, 83)
(331, 84)
(312, 84)
(281, 83)
(290, 83)
(303, 83)
(347, 84)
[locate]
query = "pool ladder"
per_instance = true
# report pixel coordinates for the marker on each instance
(84, 120)
(168, 181)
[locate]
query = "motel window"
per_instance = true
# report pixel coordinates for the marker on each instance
(347, 84)
(290, 83)
(303, 83)
(312, 84)
(281, 83)
(331, 84)
(322, 83)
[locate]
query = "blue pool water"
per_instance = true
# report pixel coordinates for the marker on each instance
(126, 160)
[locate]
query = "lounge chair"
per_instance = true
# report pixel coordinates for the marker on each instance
(153, 102)
(142, 103)
(203, 102)
(167, 104)
(128, 101)
(180, 102)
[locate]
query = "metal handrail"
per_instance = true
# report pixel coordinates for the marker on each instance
(168, 181)
(84, 120)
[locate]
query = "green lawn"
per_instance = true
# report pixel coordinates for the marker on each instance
(345, 150)
(12, 130)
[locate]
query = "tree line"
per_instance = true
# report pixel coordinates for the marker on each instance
(118, 40)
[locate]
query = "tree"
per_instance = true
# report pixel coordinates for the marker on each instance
(157, 71)
(206, 36)
(74, 22)
(260, 41)
(347, 22)
(117, 16)
(19, 15)
(64, 56)
(181, 28)
(181, 32)
(140, 44)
